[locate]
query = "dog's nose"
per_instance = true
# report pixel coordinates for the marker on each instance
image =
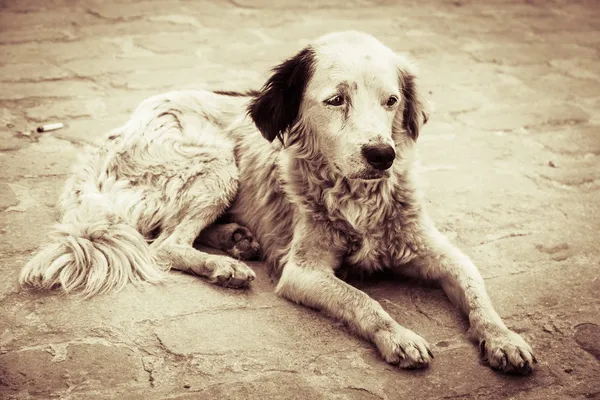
(380, 156)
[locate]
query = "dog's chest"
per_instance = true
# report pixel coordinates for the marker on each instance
(374, 251)
(379, 234)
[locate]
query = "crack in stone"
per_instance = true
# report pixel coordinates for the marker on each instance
(505, 275)
(25, 200)
(73, 76)
(100, 16)
(556, 123)
(231, 382)
(51, 347)
(235, 4)
(215, 310)
(503, 237)
(591, 183)
(362, 389)
(149, 365)
(545, 182)
(166, 349)
(64, 117)
(29, 176)
(59, 351)
(39, 41)
(457, 113)
(29, 80)
(568, 153)
(31, 101)
(423, 312)
(285, 371)
(12, 253)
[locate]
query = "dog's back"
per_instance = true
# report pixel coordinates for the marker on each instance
(137, 182)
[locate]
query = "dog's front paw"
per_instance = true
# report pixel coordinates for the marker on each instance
(507, 351)
(402, 346)
(228, 272)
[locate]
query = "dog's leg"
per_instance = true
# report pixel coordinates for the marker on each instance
(308, 278)
(177, 250)
(232, 238)
(502, 348)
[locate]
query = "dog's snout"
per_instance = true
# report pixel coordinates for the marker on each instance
(380, 156)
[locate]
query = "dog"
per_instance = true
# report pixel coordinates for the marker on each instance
(330, 190)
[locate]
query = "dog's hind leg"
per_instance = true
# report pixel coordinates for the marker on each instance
(232, 238)
(200, 201)
(177, 250)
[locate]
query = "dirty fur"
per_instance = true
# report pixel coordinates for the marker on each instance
(306, 191)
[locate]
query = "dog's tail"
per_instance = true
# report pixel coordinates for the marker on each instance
(94, 250)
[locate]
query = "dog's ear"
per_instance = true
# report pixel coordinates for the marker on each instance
(415, 112)
(275, 108)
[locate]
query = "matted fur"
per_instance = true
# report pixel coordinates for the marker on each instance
(329, 191)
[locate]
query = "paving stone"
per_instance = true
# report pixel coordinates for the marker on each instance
(556, 85)
(36, 34)
(162, 81)
(11, 266)
(57, 52)
(28, 6)
(33, 206)
(329, 4)
(59, 367)
(170, 43)
(450, 70)
(126, 11)
(32, 72)
(273, 385)
(33, 159)
(516, 54)
(132, 27)
(91, 130)
(16, 239)
(14, 140)
(66, 111)
(51, 16)
(7, 197)
(579, 175)
(267, 329)
(572, 140)
(25, 90)
(494, 117)
(588, 337)
(124, 64)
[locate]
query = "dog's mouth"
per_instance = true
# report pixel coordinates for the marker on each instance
(373, 175)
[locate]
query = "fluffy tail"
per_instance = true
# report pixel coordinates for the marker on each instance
(92, 257)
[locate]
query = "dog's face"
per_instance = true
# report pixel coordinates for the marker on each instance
(347, 97)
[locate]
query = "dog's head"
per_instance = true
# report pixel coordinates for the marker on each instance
(346, 97)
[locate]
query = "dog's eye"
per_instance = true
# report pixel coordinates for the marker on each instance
(392, 101)
(335, 101)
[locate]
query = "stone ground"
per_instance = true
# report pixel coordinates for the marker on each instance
(510, 164)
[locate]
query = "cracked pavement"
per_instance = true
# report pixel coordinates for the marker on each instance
(509, 164)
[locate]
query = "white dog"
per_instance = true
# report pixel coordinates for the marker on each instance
(330, 190)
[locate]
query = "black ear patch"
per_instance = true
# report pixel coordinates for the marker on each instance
(414, 113)
(275, 108)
